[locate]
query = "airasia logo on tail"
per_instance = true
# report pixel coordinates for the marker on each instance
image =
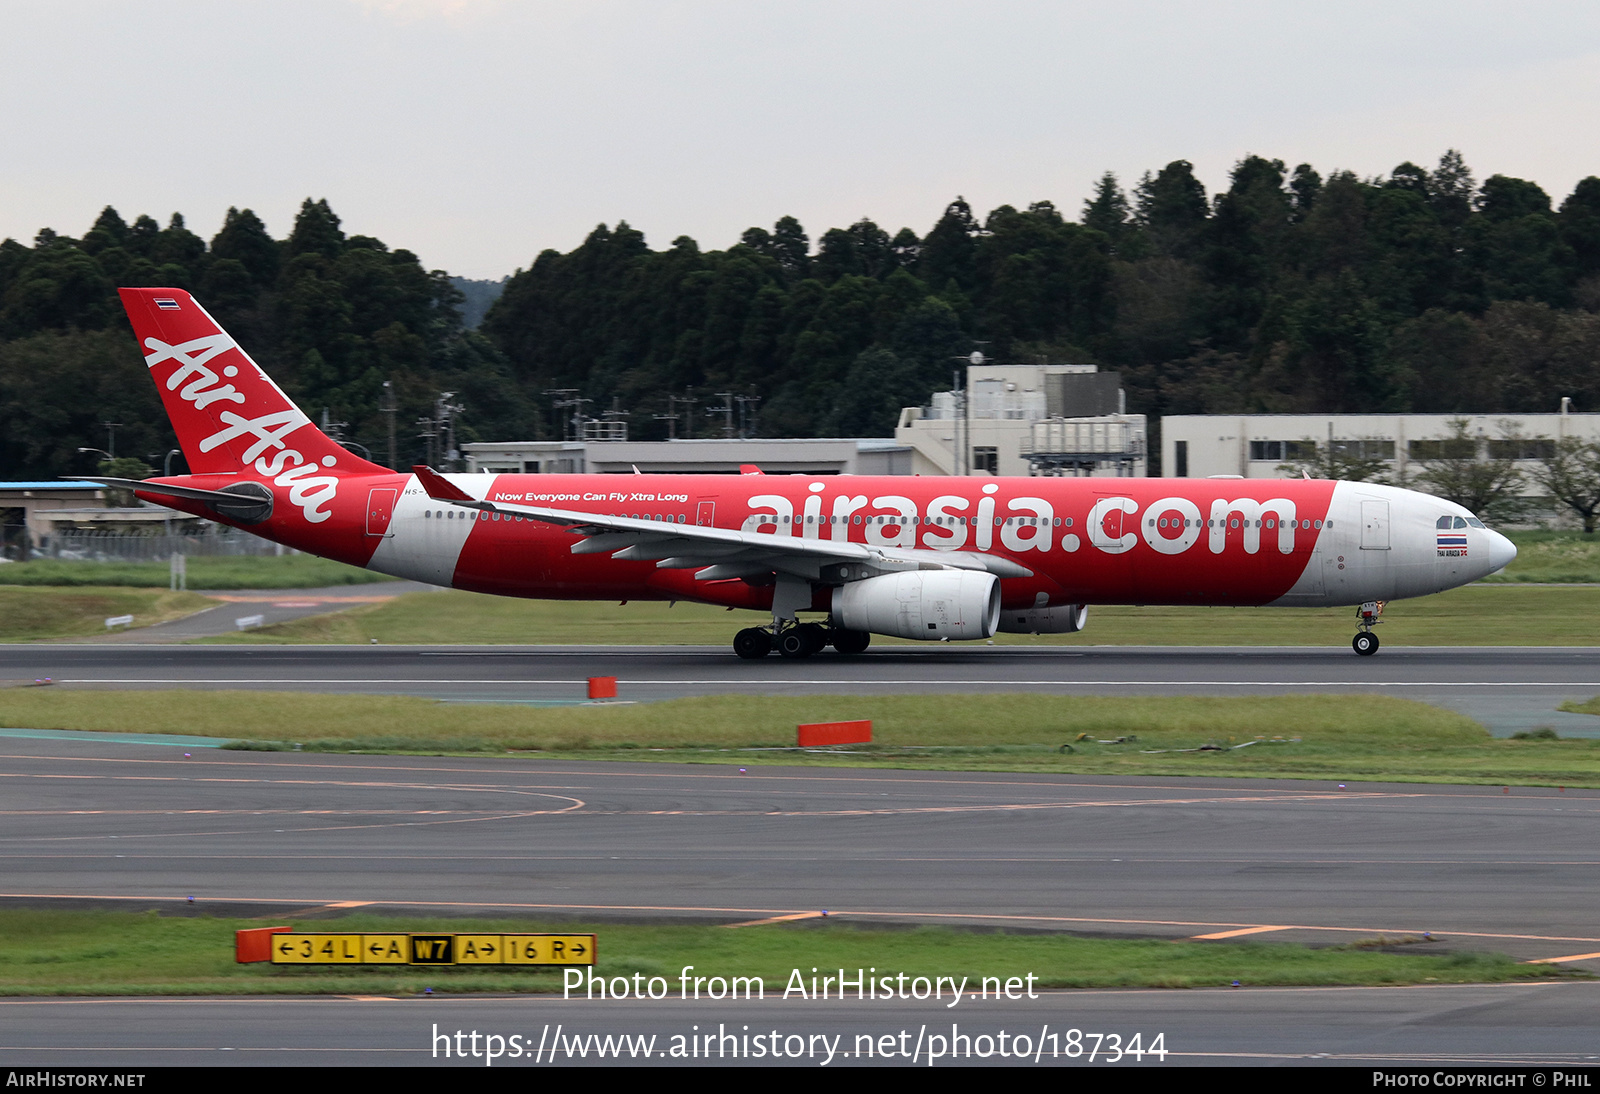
(200, 386)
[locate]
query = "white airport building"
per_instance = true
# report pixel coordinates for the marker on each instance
(1256, 446)
(1027, 420)
(1010, 420)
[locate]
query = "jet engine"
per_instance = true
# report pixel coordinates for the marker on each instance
(1061, 619)
(926, 604)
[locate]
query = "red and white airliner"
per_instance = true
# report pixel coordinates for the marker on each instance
(927, 558)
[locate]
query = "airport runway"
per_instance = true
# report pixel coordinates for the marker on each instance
(1525, 1025)
(1506, 688)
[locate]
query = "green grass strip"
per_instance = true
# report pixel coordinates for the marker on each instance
(50, 952)
(1331, 737)
(30, 614)
(268, 572)
(1552, 556)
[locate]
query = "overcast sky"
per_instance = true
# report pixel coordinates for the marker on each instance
(480, 132)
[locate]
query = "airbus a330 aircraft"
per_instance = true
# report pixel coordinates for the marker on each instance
(914, 557)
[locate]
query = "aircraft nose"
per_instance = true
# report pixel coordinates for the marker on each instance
(1501, 551)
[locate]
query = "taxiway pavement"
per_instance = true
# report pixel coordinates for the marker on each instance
(1476, 1026)
(151, 826)
(267, 605)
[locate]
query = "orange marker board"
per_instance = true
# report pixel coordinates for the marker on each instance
(818, 734)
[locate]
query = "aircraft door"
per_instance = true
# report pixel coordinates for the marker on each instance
(380, 511)
(705, 514)
(1374, 525)
(1112, 531)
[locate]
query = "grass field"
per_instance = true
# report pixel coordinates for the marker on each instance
(1371, 738)
(115, 953)
(270, 572)
(1559, 557)
(1476, 615)
(27, 614)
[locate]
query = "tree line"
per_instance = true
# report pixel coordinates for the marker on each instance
(1285, 291)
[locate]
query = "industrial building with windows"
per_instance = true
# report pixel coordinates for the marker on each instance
(1260, 446)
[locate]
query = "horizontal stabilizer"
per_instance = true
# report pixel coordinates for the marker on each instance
(438, 487)
(221, 497)
(246, 502)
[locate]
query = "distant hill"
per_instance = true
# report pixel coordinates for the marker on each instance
(479, 295)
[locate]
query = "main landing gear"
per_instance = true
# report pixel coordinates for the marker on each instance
(1365, 642)
(797, 640)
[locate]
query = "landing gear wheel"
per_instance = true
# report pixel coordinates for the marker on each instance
(795, 644)
(1365, 643)
(816, 636)
(850, 642)
(752, 643)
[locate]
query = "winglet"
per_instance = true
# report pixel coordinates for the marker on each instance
(750, 469)
(438, 487)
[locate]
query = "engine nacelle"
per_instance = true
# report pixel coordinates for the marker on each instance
(1061, 619)
(925, 604)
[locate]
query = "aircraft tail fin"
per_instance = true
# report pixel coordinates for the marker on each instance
(227, 412)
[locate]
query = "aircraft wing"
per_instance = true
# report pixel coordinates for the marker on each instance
(717, 554)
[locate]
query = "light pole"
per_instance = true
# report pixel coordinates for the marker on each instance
(963, 427)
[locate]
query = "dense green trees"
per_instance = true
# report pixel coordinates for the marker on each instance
(1286, 291)
(331, 317)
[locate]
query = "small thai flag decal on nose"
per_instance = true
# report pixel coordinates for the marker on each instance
(1452, 541)
(166, 303)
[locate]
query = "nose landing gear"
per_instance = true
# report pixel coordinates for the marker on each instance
(1365, 642)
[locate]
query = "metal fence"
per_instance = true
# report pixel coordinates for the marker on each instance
(90, 545)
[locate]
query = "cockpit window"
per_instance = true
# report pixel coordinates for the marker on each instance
(1444, 522)
(1461, 522)
(1475, 522)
